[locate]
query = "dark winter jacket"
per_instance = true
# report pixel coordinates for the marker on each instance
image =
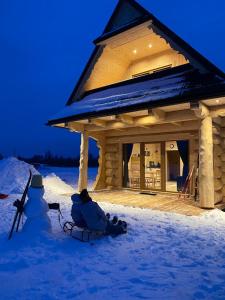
(94, 216)
(76, 211)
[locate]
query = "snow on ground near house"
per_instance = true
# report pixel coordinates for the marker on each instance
(14, 175)
(68, 175)
(54, 184)
(163, 256)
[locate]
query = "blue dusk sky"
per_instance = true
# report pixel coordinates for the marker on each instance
(45, 45)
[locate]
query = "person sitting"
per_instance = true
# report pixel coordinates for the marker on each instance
(76, 211)
(95, 217)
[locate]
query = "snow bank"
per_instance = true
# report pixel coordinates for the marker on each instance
(14, 174)
(53, 184)
(163, 256)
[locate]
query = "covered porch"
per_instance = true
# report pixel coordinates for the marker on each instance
(153, 122)
(165, 202)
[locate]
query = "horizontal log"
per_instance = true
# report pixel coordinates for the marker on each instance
(155, 129)
(110, 187)
(218, 185)
(217, 121)
(217, 111)
(217, 172)
(217, 150)
(217, 140)
(222, 132)
(170, 117)
(216, 130)
(151, 138)
(111, 181)
(217, 161)
(223, 180)
(77, 127)
(111, 157)
(111, 164)
(218, 197)
(109, 172)
(223, 143)
(112, 148)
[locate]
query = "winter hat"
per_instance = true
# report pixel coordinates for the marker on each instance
(36, 181)
(84, 196)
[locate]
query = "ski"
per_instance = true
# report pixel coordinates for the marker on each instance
(19, 204)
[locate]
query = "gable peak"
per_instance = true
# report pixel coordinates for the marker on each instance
(126, 12)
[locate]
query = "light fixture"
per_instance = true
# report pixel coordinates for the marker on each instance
(135, 51)
(149, 46)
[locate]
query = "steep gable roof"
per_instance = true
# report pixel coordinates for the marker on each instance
(126, 12)
(129, 14)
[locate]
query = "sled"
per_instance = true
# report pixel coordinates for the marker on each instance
(3, 196)
(81, 234)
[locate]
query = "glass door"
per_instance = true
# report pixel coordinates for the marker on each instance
(177, 164)
(131, 166)
(153, 166)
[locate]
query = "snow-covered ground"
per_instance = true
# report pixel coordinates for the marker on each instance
(163, 256)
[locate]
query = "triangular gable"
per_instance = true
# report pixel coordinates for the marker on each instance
(126, 12)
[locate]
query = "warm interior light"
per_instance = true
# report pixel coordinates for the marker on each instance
(135, 51)
(217, 101)
(150, 46)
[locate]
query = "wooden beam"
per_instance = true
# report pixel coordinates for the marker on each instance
(159, 113)
(218, 121)
(148, 120)
(206, 177)
(151, 138)
(217, 111)
(180, 116)
(100, 179)
(97, 122)
(156, 129)
(126, 119)
(200, 110)
(83, 169)
(75, 126)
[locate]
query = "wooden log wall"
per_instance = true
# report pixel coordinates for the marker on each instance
(100, 179)
(112, 166)
(219, 161)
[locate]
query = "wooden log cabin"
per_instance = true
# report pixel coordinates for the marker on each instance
(156, 108)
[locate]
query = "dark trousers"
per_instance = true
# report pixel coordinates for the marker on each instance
(113, 229)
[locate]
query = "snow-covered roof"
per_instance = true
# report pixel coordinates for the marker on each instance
(177, 85)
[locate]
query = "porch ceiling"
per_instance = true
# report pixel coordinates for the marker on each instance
(166, 119)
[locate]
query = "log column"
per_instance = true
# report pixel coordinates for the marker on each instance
(83, 169)
(206, 176)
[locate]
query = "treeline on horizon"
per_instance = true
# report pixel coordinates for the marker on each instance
(57, 160)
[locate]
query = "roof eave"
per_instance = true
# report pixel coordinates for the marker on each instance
(149, 105)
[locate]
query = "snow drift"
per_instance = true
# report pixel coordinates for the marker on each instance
(14, 174)
(53, 184)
